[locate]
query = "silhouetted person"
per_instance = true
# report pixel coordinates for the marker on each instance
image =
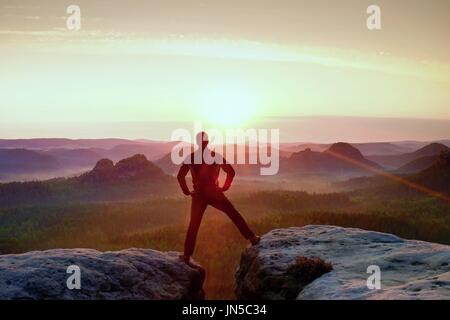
(205, 178)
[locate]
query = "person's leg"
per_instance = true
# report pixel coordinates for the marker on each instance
(220, 201)
(198, 207)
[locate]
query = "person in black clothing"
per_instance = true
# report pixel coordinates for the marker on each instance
(205, 178)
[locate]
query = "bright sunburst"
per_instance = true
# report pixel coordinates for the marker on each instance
(228, 105)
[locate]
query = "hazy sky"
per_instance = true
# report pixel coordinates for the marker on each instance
(227, 63)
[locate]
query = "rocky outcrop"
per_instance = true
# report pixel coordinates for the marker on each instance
(103, 171)
(135, 168)
(409, 269)
(128, 274)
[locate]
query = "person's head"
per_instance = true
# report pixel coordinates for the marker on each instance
(202, 139)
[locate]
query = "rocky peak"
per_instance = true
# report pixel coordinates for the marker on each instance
(136, 167)
(432, 149)
(339, 259)
(103, 171)
(344, 149)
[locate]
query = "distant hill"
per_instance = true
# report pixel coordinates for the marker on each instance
(114, 148)
(368, 148)
(339, 159)
(376, 148)
(415, 145)
(418, 165)
(27, 165)
(166, 164)
(431, 149)
(14, 161)
(435, 178)
(396, 161)
(294, 147)
(152, 151)
(52, 143)
(50, 158)
(86, 157)
(128, 179)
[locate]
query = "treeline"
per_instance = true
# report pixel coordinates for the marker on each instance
(72, 190)
(23, 192)
(60, 224)
(297, 200)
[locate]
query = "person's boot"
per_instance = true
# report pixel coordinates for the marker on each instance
(190, 263)
(185, 259)
(254, 240)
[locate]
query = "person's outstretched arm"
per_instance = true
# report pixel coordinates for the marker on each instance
(230, 175)
(182, 178)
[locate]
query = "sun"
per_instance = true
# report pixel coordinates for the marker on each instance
(228, 105)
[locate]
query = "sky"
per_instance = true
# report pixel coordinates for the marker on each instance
(139, 69)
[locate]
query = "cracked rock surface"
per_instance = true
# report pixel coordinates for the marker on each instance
(127, 274)
(409, 269)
